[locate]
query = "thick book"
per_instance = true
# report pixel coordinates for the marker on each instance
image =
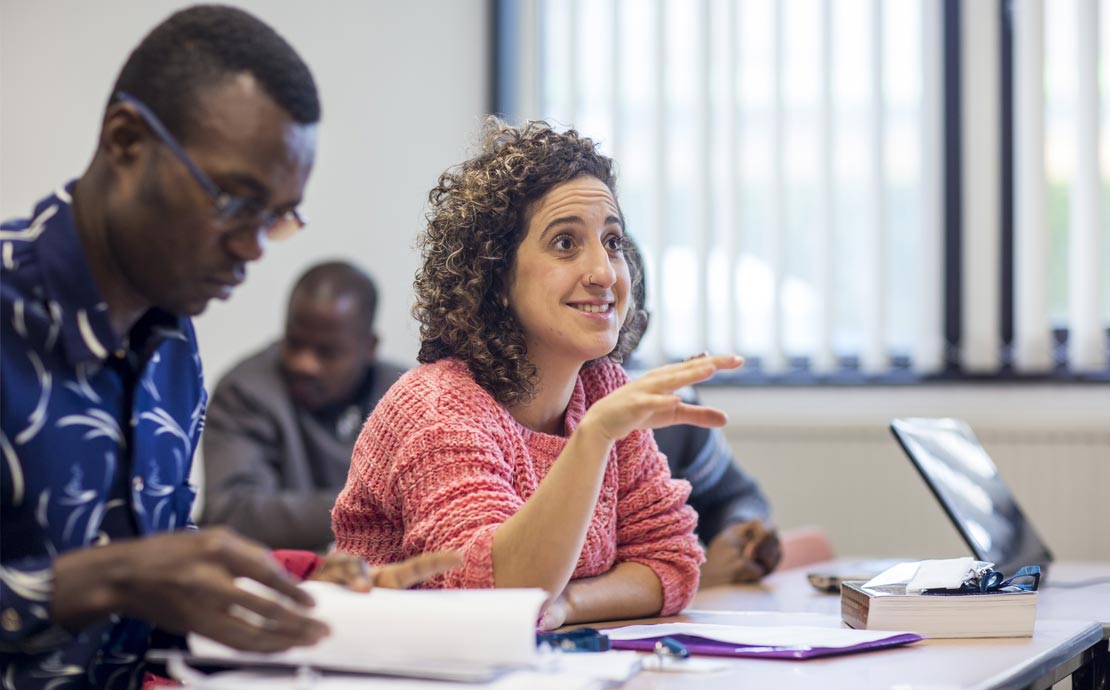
(991, 614)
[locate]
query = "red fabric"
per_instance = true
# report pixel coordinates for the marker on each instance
(299, 563)
(441, 465)
(152, 681)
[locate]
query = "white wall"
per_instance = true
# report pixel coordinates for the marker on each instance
(403, 85)
(826, 457)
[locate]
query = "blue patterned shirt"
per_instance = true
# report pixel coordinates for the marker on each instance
(97, 439)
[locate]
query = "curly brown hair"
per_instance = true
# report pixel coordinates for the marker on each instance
(478, 216)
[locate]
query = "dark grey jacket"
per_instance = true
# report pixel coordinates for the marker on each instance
(273, 470)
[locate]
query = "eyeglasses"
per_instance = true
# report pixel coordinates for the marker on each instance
(231, 211)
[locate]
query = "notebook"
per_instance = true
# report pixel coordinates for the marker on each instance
(758, 642)
(966, 482)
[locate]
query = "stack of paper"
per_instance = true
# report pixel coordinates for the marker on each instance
(462, 634)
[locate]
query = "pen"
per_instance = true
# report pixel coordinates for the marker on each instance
(670, 647)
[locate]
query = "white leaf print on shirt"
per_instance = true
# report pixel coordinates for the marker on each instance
(19, 321)
(81, 386)
(32, 231)
(87, 334)
(33, 585)
(168, 425)
(55, 325)
(100, 423)
(196, 419)
(15, 467)
(148, 377)
(38, 416)
(77, 499)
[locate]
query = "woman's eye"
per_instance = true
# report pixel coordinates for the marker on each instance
(615, 244)
(563, 243)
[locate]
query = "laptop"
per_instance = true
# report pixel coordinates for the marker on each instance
(966, 483)
(964, 479)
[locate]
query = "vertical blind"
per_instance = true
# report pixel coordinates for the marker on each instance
(1057, 112)
(781, 167)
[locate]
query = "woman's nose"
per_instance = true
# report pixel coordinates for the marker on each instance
(599, 269)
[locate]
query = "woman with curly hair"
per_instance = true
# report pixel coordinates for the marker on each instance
(520, 441)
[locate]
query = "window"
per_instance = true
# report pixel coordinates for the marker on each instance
(782, 165)
(1064, 103)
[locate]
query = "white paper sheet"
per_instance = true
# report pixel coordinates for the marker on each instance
(256, 680)
(585, 671)
(947, 573)
(478, 627)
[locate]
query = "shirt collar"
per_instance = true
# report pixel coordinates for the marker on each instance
(86, 331)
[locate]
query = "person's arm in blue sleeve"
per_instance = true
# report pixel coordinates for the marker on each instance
(721, 491)
(26, 599)
(733, 512)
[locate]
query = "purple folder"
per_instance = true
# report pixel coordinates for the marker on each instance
(708, 647)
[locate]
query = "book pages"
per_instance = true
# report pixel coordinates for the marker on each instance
(385, 627)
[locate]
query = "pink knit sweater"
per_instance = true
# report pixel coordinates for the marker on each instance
(440, 464)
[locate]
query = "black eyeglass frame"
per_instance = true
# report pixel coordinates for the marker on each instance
(229, 207)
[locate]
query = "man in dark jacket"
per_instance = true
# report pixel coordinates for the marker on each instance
(282, 423)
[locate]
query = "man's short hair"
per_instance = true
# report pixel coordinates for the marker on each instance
(203, 45)
(334, 279)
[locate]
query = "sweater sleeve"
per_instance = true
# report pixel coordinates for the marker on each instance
(451, 487)
(655, 526)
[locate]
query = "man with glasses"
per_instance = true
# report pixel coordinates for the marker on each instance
(204, 150)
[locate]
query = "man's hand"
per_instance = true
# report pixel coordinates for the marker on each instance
(353, 572)
(742, 552)
(185, 582)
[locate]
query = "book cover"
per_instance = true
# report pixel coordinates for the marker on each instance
(993, 614)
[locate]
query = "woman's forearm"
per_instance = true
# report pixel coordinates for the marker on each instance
(629, 590)
(540, 545)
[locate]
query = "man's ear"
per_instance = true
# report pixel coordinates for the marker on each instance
(372, 346)
(123, 135)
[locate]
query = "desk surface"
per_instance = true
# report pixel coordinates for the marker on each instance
(979, 664)
(789, 591)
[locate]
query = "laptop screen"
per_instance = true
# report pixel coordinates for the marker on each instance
(967, 484)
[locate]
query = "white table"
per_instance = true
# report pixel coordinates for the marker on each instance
(790, 591)
(1056, 649)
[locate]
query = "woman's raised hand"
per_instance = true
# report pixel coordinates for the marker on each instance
(650, 402)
